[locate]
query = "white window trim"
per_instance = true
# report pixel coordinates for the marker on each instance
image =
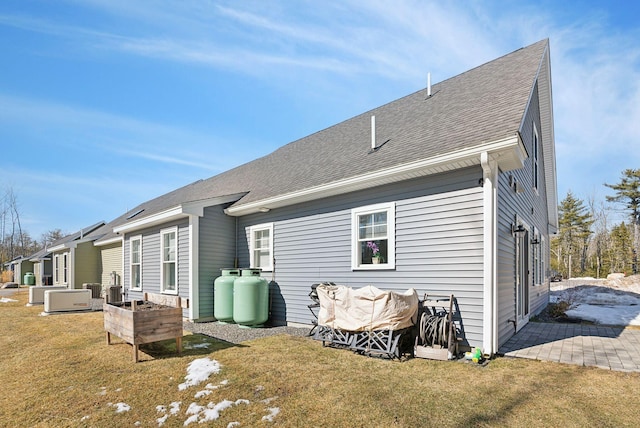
(162, 233)
(131, 239)
(56, 268)
(252, 230)
(537, 258)
(390, 263)
(65, 268)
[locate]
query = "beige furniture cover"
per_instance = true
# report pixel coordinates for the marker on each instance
(367, 308)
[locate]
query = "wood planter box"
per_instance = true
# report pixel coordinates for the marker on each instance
(155, 318)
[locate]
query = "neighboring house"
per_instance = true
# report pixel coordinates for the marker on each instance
(20, 265)
(42, 267)
(454, 184)
(75, 260)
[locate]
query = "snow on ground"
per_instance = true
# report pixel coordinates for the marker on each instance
(199, 371)
(615, 301)
(7, 300)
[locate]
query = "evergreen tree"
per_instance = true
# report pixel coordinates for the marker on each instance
(628, 193)
(574, 231)
(621, 256)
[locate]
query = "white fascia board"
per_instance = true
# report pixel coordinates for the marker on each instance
(114, 240)
(165, 216)
(509, 153)
(58, 248)
(177, 212)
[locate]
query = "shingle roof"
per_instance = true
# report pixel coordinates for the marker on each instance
(82, 233)
(482, 105)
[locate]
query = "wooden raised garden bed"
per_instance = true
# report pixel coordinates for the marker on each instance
(157, 317)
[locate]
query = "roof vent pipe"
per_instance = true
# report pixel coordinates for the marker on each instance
(428, 84)
(373, 132)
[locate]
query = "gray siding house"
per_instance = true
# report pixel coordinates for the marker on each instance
(453, 187)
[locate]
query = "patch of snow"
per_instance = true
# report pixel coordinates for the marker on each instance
(269, 400)
(198, 371)
(122, 407)
(84, 418)
(175, 408)
(7, 300)
(609, 315)
(203, 414)
(162, 420)
(613, 302)
(233, 424)
(273, 412)
(202, 393)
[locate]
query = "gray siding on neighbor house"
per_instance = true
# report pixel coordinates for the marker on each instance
(216, 251)
(439, 245)
(151, 261)
(531, 207)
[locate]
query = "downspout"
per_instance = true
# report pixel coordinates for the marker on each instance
(194, 267)
(490, 293)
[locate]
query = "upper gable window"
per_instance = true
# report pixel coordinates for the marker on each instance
(169, 257)
(261, 245)
(373, 237)
(536, 153)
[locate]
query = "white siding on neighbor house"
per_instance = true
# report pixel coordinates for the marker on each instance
(531, 207)
(216, 251)
(151, 261)
(439, 246)
(111, 262)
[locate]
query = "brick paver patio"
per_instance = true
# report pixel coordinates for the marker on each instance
(606, 347)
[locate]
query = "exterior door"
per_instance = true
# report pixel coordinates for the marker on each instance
(522, 280)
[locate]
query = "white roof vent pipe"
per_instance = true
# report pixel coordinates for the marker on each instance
(428, 84)
(373, 132)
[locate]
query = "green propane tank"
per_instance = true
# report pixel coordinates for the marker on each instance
(223, 295)
(29, 279)
(250, 299)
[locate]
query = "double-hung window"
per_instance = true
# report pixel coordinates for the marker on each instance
(56, 268)
(135, 244)
(169, 260)
(373, 237)
(261, 244)
(65, 268)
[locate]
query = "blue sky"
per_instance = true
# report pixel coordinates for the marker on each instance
(107, 103)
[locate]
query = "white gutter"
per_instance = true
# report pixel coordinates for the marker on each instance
(177, 212)
(508, 152)
(114, 240)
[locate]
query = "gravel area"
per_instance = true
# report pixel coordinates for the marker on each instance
(234, 334)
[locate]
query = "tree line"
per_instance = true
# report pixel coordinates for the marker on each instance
(15, 241)
(588, 243)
